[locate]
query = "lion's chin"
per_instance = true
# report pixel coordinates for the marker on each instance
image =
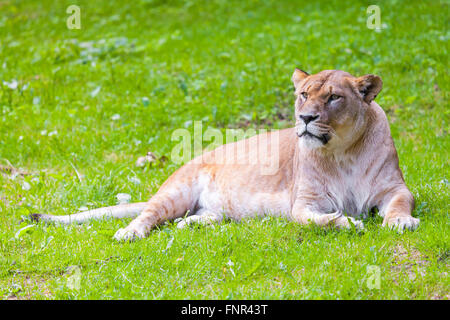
(310, 142)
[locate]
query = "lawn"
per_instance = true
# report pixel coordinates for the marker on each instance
(78, 107)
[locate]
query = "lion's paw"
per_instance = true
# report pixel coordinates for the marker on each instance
(126, 234)
(401, 223)
(345, 222)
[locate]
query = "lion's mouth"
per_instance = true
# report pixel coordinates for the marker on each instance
(323, 138)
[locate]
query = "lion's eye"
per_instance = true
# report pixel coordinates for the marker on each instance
(334, 97)
(304, 95)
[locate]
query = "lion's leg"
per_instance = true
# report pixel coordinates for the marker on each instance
(153, 214)
(160, 208)
(203, 216)
(397, 209)
(175, 197)
(304, 215)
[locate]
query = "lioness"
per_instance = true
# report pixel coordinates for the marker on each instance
(339, 158)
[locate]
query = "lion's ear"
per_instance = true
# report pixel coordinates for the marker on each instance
(298, 76)
(368, 86)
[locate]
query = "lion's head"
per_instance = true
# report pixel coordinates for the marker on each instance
(331, 105)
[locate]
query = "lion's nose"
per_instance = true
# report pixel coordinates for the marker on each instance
(307, 118)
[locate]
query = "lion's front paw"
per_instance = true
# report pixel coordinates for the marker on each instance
(127, 234)
(346, 223)
(358, 224)
(337, 219)
(401, 223)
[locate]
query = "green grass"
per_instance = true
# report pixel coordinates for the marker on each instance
(161, 65)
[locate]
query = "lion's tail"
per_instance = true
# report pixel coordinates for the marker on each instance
(120, 211)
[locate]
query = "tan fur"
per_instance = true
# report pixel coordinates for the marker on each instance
(342, 162)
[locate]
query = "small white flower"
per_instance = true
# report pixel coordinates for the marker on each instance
(53, 133)
(115, 117)
(13, 176)
(36, 100)
(26, 186)
(123, 198)
(13, 84)
(135, 180)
